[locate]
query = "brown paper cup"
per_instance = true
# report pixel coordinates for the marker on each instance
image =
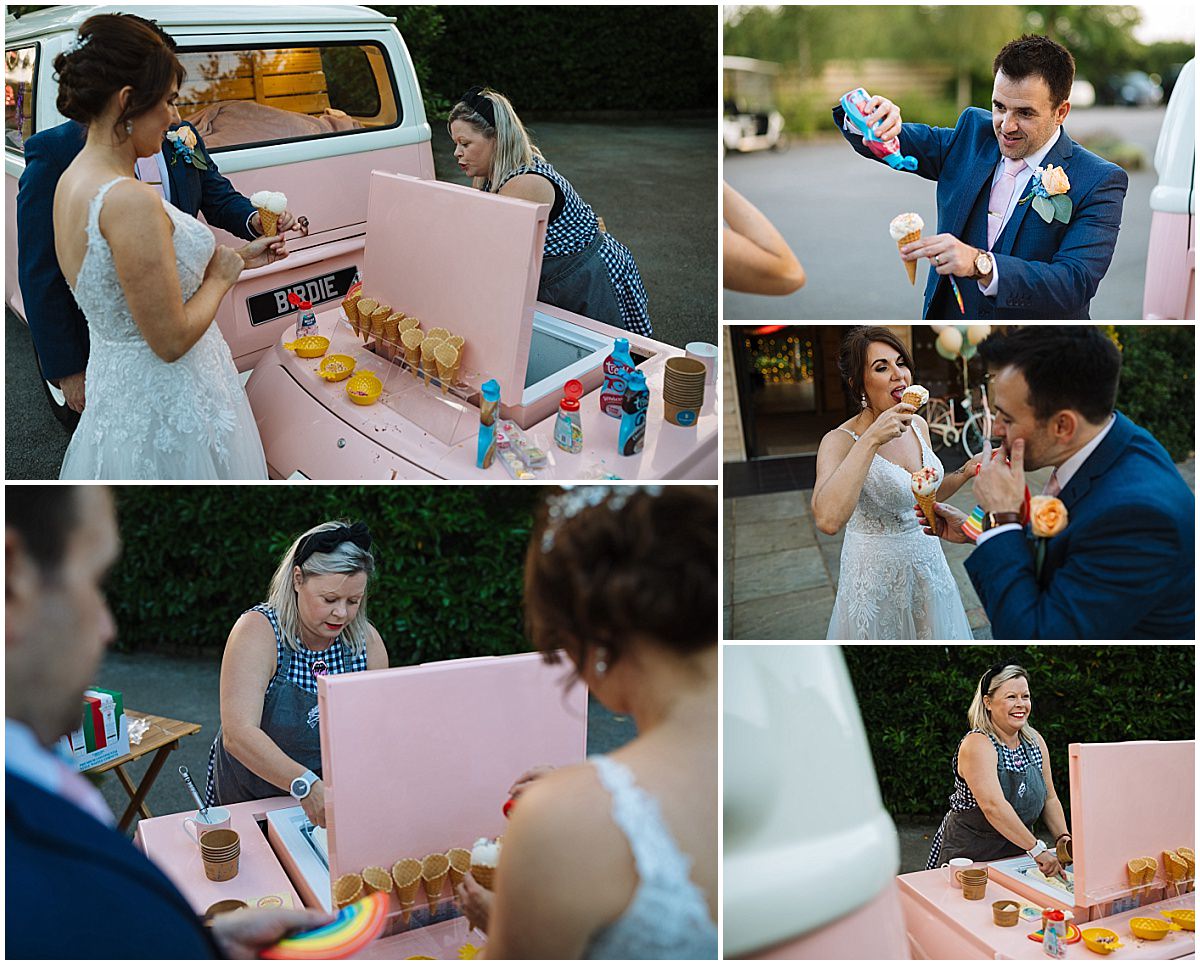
(974, 890)
(223, 907)
(221, 870)
(686, 416)
(1005, 913)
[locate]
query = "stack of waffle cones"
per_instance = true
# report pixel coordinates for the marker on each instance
(406, 873)
(350, 307)
(347, 890)
(1140, 872)
(434, 869)
(365, 308)
(460, 864)
(377, 879)
(1188, 855)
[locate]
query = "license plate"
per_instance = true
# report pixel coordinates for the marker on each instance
(268, 306)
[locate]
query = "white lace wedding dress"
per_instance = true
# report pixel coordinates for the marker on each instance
(894, 582)
(146, 418)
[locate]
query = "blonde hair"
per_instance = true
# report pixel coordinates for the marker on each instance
(978, 715)
(514, 149)
(346, 558)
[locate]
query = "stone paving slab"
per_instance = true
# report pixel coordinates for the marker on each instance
(752, 539)
(770, 574)
(803, 615)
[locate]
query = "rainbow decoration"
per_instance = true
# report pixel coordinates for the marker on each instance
(957, 295)
(974, 524)
(1073, 934)
(356, 926)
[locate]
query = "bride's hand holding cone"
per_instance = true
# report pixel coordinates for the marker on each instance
(891, 424)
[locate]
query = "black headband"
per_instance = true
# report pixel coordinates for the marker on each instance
(481, 105)
(985, 684)
(328, 540)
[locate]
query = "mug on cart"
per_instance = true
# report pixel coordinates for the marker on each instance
(953, 867)
(196, 825)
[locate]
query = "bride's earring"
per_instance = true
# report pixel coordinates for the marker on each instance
(601, 665)
(129, 127)
(864, 400)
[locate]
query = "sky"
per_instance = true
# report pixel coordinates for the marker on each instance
(1166, 21)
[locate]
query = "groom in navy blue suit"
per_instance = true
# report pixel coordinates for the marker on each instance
(1009, 261)
(1124, 567)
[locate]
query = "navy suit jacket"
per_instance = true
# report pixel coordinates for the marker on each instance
(1125, 566)
(57, 325)
(76, 889)
(1047, 271)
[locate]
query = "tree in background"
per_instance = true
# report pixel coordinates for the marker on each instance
(1158, 383)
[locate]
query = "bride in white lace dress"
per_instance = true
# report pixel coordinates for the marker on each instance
(617, 858)
(894, 582)
(164, 400)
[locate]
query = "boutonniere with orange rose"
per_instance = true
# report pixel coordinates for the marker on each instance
(183, 141)
(1047, 518)
(1048, 191)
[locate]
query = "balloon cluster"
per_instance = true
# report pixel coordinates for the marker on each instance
(959, 341)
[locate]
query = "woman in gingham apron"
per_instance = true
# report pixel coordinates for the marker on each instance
(584, 269)
(1002, 781)
(313, 623)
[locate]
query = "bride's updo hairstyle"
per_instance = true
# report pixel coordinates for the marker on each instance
(609, 565)
(116, 50)
(852, 360)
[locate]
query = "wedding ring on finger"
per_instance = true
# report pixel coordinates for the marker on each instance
(937, 259)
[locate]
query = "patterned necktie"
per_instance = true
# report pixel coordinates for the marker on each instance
(1002, 192)
(1052, 487)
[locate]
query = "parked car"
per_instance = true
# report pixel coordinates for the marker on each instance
(1171, 256)
(1083, 94)
(287, 98)
(1135, 89)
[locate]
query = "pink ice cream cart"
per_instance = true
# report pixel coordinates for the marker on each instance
(416, 760)
(467, 262)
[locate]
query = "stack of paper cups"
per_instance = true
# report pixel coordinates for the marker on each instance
(704, 352)
(683, 390)
(220, 849)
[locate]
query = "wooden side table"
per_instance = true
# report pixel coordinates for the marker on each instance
(163, 737)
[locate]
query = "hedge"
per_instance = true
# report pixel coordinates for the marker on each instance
(449, 562)
(914, 702)
(1158, 383)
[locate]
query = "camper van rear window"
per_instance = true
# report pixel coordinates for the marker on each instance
(243, 97)
(20, 69)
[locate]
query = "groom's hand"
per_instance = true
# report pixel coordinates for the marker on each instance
(884, 118)
(1000, 487)
(949, 255)
(949, 523)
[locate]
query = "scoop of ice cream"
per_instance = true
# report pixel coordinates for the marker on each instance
(276, 202)
(926, 482)
(916, 395)
(259, 198)
(905, 224)
(486, 852)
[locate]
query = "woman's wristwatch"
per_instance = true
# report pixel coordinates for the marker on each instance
(1037, 849)
(302, 785)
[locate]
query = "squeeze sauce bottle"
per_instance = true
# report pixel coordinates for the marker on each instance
(568, 428)
(617, 367)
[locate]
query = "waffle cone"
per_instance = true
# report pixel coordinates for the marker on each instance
(926, 504)
(1174, 867)
(406, 873)
(269, 219)
(350, 307)
(1151, 870)
(411, 341)
(484, 874)
(428, 359)
(347, 889)
(434, 868)
(460, 864)
(446, 356)
(377, 879)
(365, 307)
(909, 266)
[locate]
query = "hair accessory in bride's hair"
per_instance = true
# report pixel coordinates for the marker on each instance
(574, 499)
(78, 44)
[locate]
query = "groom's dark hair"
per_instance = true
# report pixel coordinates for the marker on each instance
(1031, 54)
(1065, 366)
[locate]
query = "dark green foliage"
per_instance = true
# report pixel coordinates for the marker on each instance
(914, 702)
(449, 562)
(556, 60)
(1158, 383)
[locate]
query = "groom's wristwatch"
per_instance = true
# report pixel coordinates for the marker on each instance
(983, 264)
(992, 520)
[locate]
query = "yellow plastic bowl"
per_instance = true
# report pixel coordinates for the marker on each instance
(334, 368)
(1185, 918)
(1150, 929)
(309, 347)
(364, 388)
(1101, 940)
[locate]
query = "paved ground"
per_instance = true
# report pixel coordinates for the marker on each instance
(655, 185)
(781, 572)
(188, 689)
(834, 207)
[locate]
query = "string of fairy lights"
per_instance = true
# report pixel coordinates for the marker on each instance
(781, 359)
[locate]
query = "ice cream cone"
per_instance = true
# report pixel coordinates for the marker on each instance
(484, 874)
(269, 219)
(460, 864)
(1151, 870)
(446, 356)
(350, 307)
(377, 879)
(428, 359)
(434, 868)
(391, 334)
(439, 332)
(915, 395)
(1174, 867)
(378, 317)
(926, 503)
(347, 890)
(1134, 870)
(1189, 856)
(909, 266)
(409, 321)
(412, 340)
(365, 307)
(407, 875)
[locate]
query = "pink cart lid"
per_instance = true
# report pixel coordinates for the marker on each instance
(417, 760)
(461, 259)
